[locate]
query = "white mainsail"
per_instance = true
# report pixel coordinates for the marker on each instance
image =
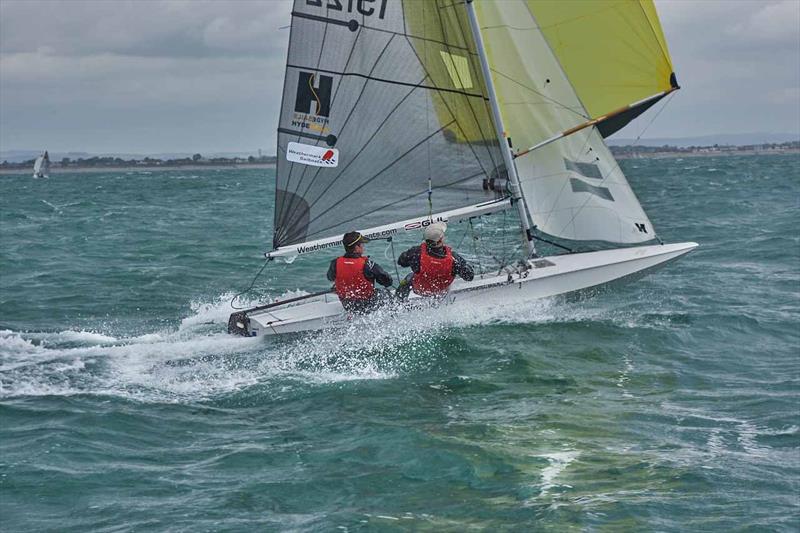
(41, 167)
(37, 167)
(387, 103)
(573, 186)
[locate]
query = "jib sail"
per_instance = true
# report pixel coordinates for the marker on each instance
(572, 73)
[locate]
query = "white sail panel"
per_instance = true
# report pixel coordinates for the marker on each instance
(387, 100)
(575, 190)
(573, 187)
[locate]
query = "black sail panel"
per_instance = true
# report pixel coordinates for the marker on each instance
(379, 97)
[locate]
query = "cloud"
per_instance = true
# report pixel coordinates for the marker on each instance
(129, 81)
(789, 95)
(207, 75)
(771, 24)
(150, 29)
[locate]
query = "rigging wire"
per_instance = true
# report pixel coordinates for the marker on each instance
(463, 236)
(428, 148)
(430, 196)
(666, 102)
(233, 306)
(394, 259)
(503, 243)
(474, 247)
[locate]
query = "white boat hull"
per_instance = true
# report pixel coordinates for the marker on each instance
(544, 277)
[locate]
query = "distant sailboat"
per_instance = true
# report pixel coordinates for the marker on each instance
(41, 167)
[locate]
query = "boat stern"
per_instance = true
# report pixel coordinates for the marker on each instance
(239, 324)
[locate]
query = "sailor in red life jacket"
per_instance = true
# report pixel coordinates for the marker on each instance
(355, 275)
(434, 265)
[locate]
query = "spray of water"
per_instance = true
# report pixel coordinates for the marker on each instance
(199, 360)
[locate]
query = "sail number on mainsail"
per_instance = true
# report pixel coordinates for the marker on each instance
(362, 7)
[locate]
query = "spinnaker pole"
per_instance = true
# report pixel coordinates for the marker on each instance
(596, 121)
(511, 169)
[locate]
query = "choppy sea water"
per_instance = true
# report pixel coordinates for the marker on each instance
(670, 404)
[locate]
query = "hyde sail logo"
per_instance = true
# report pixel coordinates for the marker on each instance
(315, 156)
(312, 103)
(313, 94)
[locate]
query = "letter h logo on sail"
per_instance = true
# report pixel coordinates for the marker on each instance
(313, 89)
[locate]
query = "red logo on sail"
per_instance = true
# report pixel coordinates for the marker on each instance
(315, 156)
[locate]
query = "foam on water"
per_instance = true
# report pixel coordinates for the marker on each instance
(158, 366)
(199, 359)
(78, 337)
(558, 462)
(12, 345)
(722, 435)
(214, 312)
(196, 360)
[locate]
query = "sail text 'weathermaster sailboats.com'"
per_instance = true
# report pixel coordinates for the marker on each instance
(398, 113)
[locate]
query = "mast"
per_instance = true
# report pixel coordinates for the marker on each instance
(516, 190)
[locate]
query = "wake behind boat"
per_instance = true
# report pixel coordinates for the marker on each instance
(406, 109)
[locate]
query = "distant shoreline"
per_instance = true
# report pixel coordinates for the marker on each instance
(265, 166)
(719, 153)
(137, 168)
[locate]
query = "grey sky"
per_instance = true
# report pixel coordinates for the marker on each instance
(157, 76)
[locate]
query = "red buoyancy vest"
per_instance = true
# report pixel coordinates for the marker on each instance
(435, 273)
(351, 283)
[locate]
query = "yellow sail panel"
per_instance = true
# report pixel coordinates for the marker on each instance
(440, 34)
(612, 51)
(535, 97)
(652, 16)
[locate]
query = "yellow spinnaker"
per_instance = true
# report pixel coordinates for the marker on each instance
(612, 51)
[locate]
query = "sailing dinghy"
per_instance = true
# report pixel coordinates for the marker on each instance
(400, 113)
(41, 167)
